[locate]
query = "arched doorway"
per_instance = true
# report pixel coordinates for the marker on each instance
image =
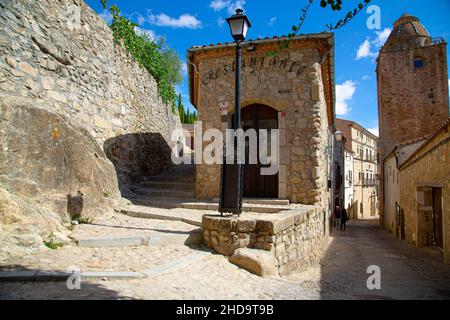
(258, 116)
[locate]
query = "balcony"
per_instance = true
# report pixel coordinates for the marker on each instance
(367, 183)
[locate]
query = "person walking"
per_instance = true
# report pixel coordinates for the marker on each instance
(337, 217)
(344, 218)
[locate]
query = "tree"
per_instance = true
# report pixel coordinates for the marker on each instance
(186, 117)
(334, 5)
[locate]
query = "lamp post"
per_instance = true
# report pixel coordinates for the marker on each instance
(232, 174)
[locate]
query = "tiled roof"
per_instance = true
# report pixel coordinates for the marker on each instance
(259, 40)
(427, 139)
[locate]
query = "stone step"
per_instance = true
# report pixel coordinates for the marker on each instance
(103, 242)
(154, 192)
(170, 178)
(184, 238)
(145, 213)
(262, 201)
(190, 203)
(182, 185)
(158, 238)
(55, 276)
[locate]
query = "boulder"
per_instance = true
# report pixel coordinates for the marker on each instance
(259, 262)
(45, 160)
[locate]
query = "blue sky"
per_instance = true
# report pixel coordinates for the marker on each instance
(185, 23)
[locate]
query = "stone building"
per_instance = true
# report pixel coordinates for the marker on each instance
(349, 164)
(412, 102)
(290, 88)
(425, 192)
(364, 146)
(412, 84)
(393, 219)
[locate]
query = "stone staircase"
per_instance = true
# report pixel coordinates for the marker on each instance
(175, 188)
(177, 182)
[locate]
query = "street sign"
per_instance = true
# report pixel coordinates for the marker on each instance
(224, 108)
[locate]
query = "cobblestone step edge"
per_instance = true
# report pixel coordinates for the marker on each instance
(57, 276)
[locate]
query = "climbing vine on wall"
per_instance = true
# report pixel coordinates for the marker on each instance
(161, 62)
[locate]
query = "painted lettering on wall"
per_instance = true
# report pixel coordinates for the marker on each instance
(252, 64)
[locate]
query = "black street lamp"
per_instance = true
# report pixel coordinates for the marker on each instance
(232, 174)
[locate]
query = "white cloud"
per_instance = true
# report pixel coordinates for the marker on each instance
(107, 16)
(344, 93)
(150, 33)
(374, 131)
(238, 4)
(140, 19)
(218, 5)
(272, 21)
(366, 77)
(364, 50)
(184, 21)
(220, 22)
(382, 36)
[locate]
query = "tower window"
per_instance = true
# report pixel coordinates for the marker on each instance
(418, 63)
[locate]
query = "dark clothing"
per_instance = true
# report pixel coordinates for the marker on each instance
(337, 214)
(344, 218)
(344, 215)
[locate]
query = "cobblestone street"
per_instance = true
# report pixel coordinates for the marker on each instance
(180, 272)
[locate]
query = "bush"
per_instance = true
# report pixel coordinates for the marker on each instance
(161, 62)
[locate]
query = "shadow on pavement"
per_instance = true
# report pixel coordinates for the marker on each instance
(27, 289)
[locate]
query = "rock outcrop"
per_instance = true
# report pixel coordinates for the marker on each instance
(77, 114)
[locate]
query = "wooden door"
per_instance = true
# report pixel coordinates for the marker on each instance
(437, 218)
(256, 185)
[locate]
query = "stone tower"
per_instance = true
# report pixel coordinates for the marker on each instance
(412, 84)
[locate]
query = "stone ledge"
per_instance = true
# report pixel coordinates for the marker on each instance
(254, 241)
(56, 276)
(269, 224)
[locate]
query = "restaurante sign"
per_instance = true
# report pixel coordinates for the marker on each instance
(252, 64)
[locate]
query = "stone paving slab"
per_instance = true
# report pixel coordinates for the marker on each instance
(113, 241)
(175, 265)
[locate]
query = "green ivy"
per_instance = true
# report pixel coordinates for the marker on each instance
(161, 62)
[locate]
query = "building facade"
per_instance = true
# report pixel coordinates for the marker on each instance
(425, 192)
(348, 181)
(393, 219)
(364, 146)
(289, 88)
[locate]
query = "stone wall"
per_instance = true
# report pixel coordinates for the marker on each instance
(62, 55)
(293, 83)
(77, 114)
(411, 101)
(293, 238)
(417, 173)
